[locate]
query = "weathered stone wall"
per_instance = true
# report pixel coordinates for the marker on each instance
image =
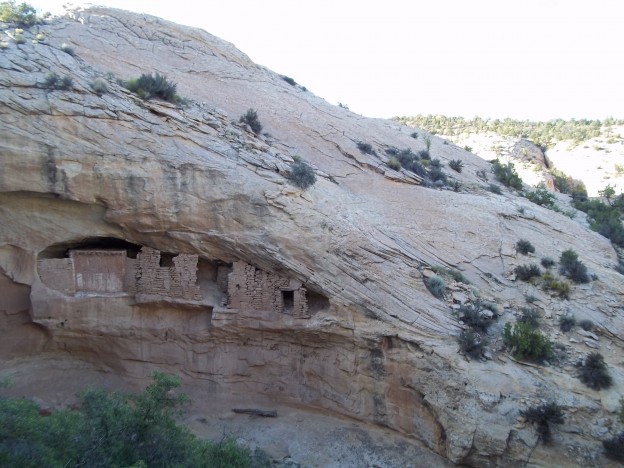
(130, 279)
(252, 289)
(179, 281)
(57, 274)
(222, 277)
(106, 271)
(99, 270)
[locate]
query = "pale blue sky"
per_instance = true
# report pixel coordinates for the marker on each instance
(533, 59)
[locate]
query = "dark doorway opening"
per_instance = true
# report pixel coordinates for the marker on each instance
(288, 299)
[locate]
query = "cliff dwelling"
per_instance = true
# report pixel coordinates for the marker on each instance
(252, 289)
(117, 269)
(110, 271)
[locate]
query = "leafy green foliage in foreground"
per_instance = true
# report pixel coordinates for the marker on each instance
(111, 429)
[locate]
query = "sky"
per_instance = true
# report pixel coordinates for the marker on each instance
(529, 59)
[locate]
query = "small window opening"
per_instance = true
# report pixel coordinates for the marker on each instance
(288, 299)
(166, 260)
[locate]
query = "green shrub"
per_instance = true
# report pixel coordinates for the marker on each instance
(527, 343)
(572, 267)
(424, 154)
(68, 49)
(111, 429)
(605, 218)
(65, 83)
(436, 174)
(547, 262)
(472, 343)
(541, 197)
(567, 323)
(19, 37)
(418, 169)
(24, 15)
(544, 415)
(427, 140)
(414, 135)
(468, 148)
(506, 174)
(559, 287)
(435, 164)
(527, 272)
(456, 164)
(393, 163)
(302, 175)
(531, 317)
(472, 315)
(391, 151)
(450, 272)
(149, 86)
(406, 158)
(524, 247)
(436, 286)
(251, 119)
(365, 148)
(53, 81)
(614, 447)
(566, 184)
(99, 86)
(289, 80)
(593, 372)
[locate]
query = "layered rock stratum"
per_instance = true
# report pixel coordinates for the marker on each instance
(312, 300)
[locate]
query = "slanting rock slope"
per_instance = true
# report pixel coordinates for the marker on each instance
(312, 298)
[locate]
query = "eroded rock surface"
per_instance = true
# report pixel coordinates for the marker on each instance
(164, 211)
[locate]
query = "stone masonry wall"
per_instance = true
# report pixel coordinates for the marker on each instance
(252, 289)
(178, 281)
(106, 271)
(99, 270)
(57, 274)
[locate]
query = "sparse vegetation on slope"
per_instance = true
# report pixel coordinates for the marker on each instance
(302, 175)
(525, 342)
(593, 372)
(572, 267)
(251, 118)
(543, 416)
(506, 174)
(524, 247)
(436, 286)
(149, 86)
(605, 218)
(542, 133)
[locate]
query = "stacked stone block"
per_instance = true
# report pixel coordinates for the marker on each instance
(255, 290)
(106, 271)
(57, 274)
(178, 281)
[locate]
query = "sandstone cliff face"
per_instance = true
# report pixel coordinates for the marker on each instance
(343, 320)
